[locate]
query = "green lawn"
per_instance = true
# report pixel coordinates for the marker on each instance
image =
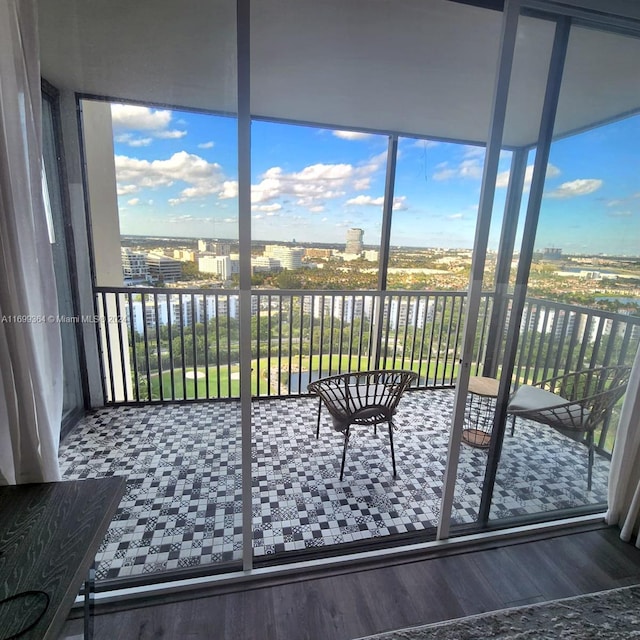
(225, 383)
(222, 384)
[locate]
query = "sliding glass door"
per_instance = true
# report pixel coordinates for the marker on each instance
(63, 261)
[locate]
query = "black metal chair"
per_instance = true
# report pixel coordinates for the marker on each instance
(364, 398)
(574, 404)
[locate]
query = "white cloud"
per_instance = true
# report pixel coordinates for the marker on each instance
(627, 201)
(315, 184)
(456, 216)
(580, 187)
(127, 116)
(468, 168)
(351, 135)
(362, 200)
(204, 178)
(155, 122)
(471, 151)
(183, 219)
(229, 190)
(170, 134)
(206, 145)
(133, 202)
(502, 180)
(132, 141)
(124, 189)
(399, 203)
(267, 208)
(425, 144)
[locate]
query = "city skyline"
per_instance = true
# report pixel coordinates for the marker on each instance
(177, 177)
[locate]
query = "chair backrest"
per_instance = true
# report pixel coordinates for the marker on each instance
(597, 390)
(349, 393)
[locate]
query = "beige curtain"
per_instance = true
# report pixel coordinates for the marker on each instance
(30, 345)
(624, 475)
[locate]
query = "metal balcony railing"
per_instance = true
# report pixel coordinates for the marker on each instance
(556, 338)
(183, 344)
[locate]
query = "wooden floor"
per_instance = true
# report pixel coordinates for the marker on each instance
(342, 606)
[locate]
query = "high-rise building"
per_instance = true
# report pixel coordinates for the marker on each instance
(354, 241)
(134, 266)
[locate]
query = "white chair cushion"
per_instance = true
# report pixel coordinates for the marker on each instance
(544, 406)
(528, 398)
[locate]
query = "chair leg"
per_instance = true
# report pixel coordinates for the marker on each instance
(393, 453)
(513, 424)
(344, 452)
(319, 410)
(591, 456)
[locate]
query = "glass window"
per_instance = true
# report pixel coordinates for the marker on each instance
(317, 197)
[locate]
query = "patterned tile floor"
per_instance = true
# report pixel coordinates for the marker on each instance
(182, 505)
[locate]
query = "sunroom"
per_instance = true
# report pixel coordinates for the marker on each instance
(217, 437)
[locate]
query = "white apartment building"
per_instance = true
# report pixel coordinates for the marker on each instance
(180, 309)
(345, 308)
(221, 266)
(264, 264)
(544, 320)
(134, 266)
(371, 255)
(288, 257)
(414, 312)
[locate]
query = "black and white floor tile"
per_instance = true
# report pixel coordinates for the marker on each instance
(182, 505)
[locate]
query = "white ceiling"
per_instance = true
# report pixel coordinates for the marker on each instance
(423, 67)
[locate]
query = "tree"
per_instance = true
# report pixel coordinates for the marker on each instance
(190, 271)
(289, 280)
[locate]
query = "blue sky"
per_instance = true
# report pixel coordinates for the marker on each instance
(177, 176)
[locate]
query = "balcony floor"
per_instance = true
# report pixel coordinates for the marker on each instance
(182, 506)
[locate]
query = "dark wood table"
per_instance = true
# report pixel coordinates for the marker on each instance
(49, 535)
